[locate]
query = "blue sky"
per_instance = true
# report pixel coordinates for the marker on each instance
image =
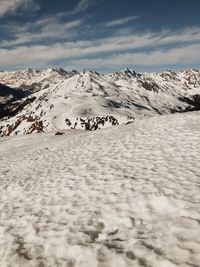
(104, 35)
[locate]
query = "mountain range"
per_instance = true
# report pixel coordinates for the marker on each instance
(33, 101)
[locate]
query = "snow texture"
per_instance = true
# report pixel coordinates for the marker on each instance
(123, 196)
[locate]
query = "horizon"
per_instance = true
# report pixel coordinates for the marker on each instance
(100, 72)
(100, 35)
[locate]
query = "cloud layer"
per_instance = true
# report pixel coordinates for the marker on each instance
(69, 39)
(88, 53)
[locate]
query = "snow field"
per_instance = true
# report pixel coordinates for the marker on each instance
(123, 196)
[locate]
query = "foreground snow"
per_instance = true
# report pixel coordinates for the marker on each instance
(124, 196)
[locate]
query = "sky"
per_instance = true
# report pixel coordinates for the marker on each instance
(102, 35)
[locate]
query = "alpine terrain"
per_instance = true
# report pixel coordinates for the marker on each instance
(99, 170)
(54, 99)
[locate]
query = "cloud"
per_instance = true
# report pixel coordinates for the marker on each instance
(13, 6)
(125, 50)
(38, 55)
(82, 6)
(52, 28)
(120, 21)
(178, 56)
(42, 29)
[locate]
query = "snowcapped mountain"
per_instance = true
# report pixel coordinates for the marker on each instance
(90, 100)
(35, 80)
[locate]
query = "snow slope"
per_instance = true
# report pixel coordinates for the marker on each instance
(123, 196)
(90, 100)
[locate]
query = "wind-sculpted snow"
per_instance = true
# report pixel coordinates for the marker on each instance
(123, 196)
(72, 100)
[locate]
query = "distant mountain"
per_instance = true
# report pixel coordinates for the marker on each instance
(90, 100)
(35, 80)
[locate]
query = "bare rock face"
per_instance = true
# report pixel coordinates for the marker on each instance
(150, 86)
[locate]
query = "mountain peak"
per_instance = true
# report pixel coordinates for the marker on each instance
(129, 72)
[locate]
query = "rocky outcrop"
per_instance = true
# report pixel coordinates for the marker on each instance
(150, 86)
(95, 123)
(34, 126)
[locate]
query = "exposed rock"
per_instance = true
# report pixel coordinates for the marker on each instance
(59, 133)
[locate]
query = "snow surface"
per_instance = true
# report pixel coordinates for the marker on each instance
(123, 196)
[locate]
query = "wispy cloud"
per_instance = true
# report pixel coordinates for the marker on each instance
(42, 29)
(52, 27)
(42, 55)
(96, 53)
(83, 5)
(162, 57)
(121, 21)
(13, 6)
